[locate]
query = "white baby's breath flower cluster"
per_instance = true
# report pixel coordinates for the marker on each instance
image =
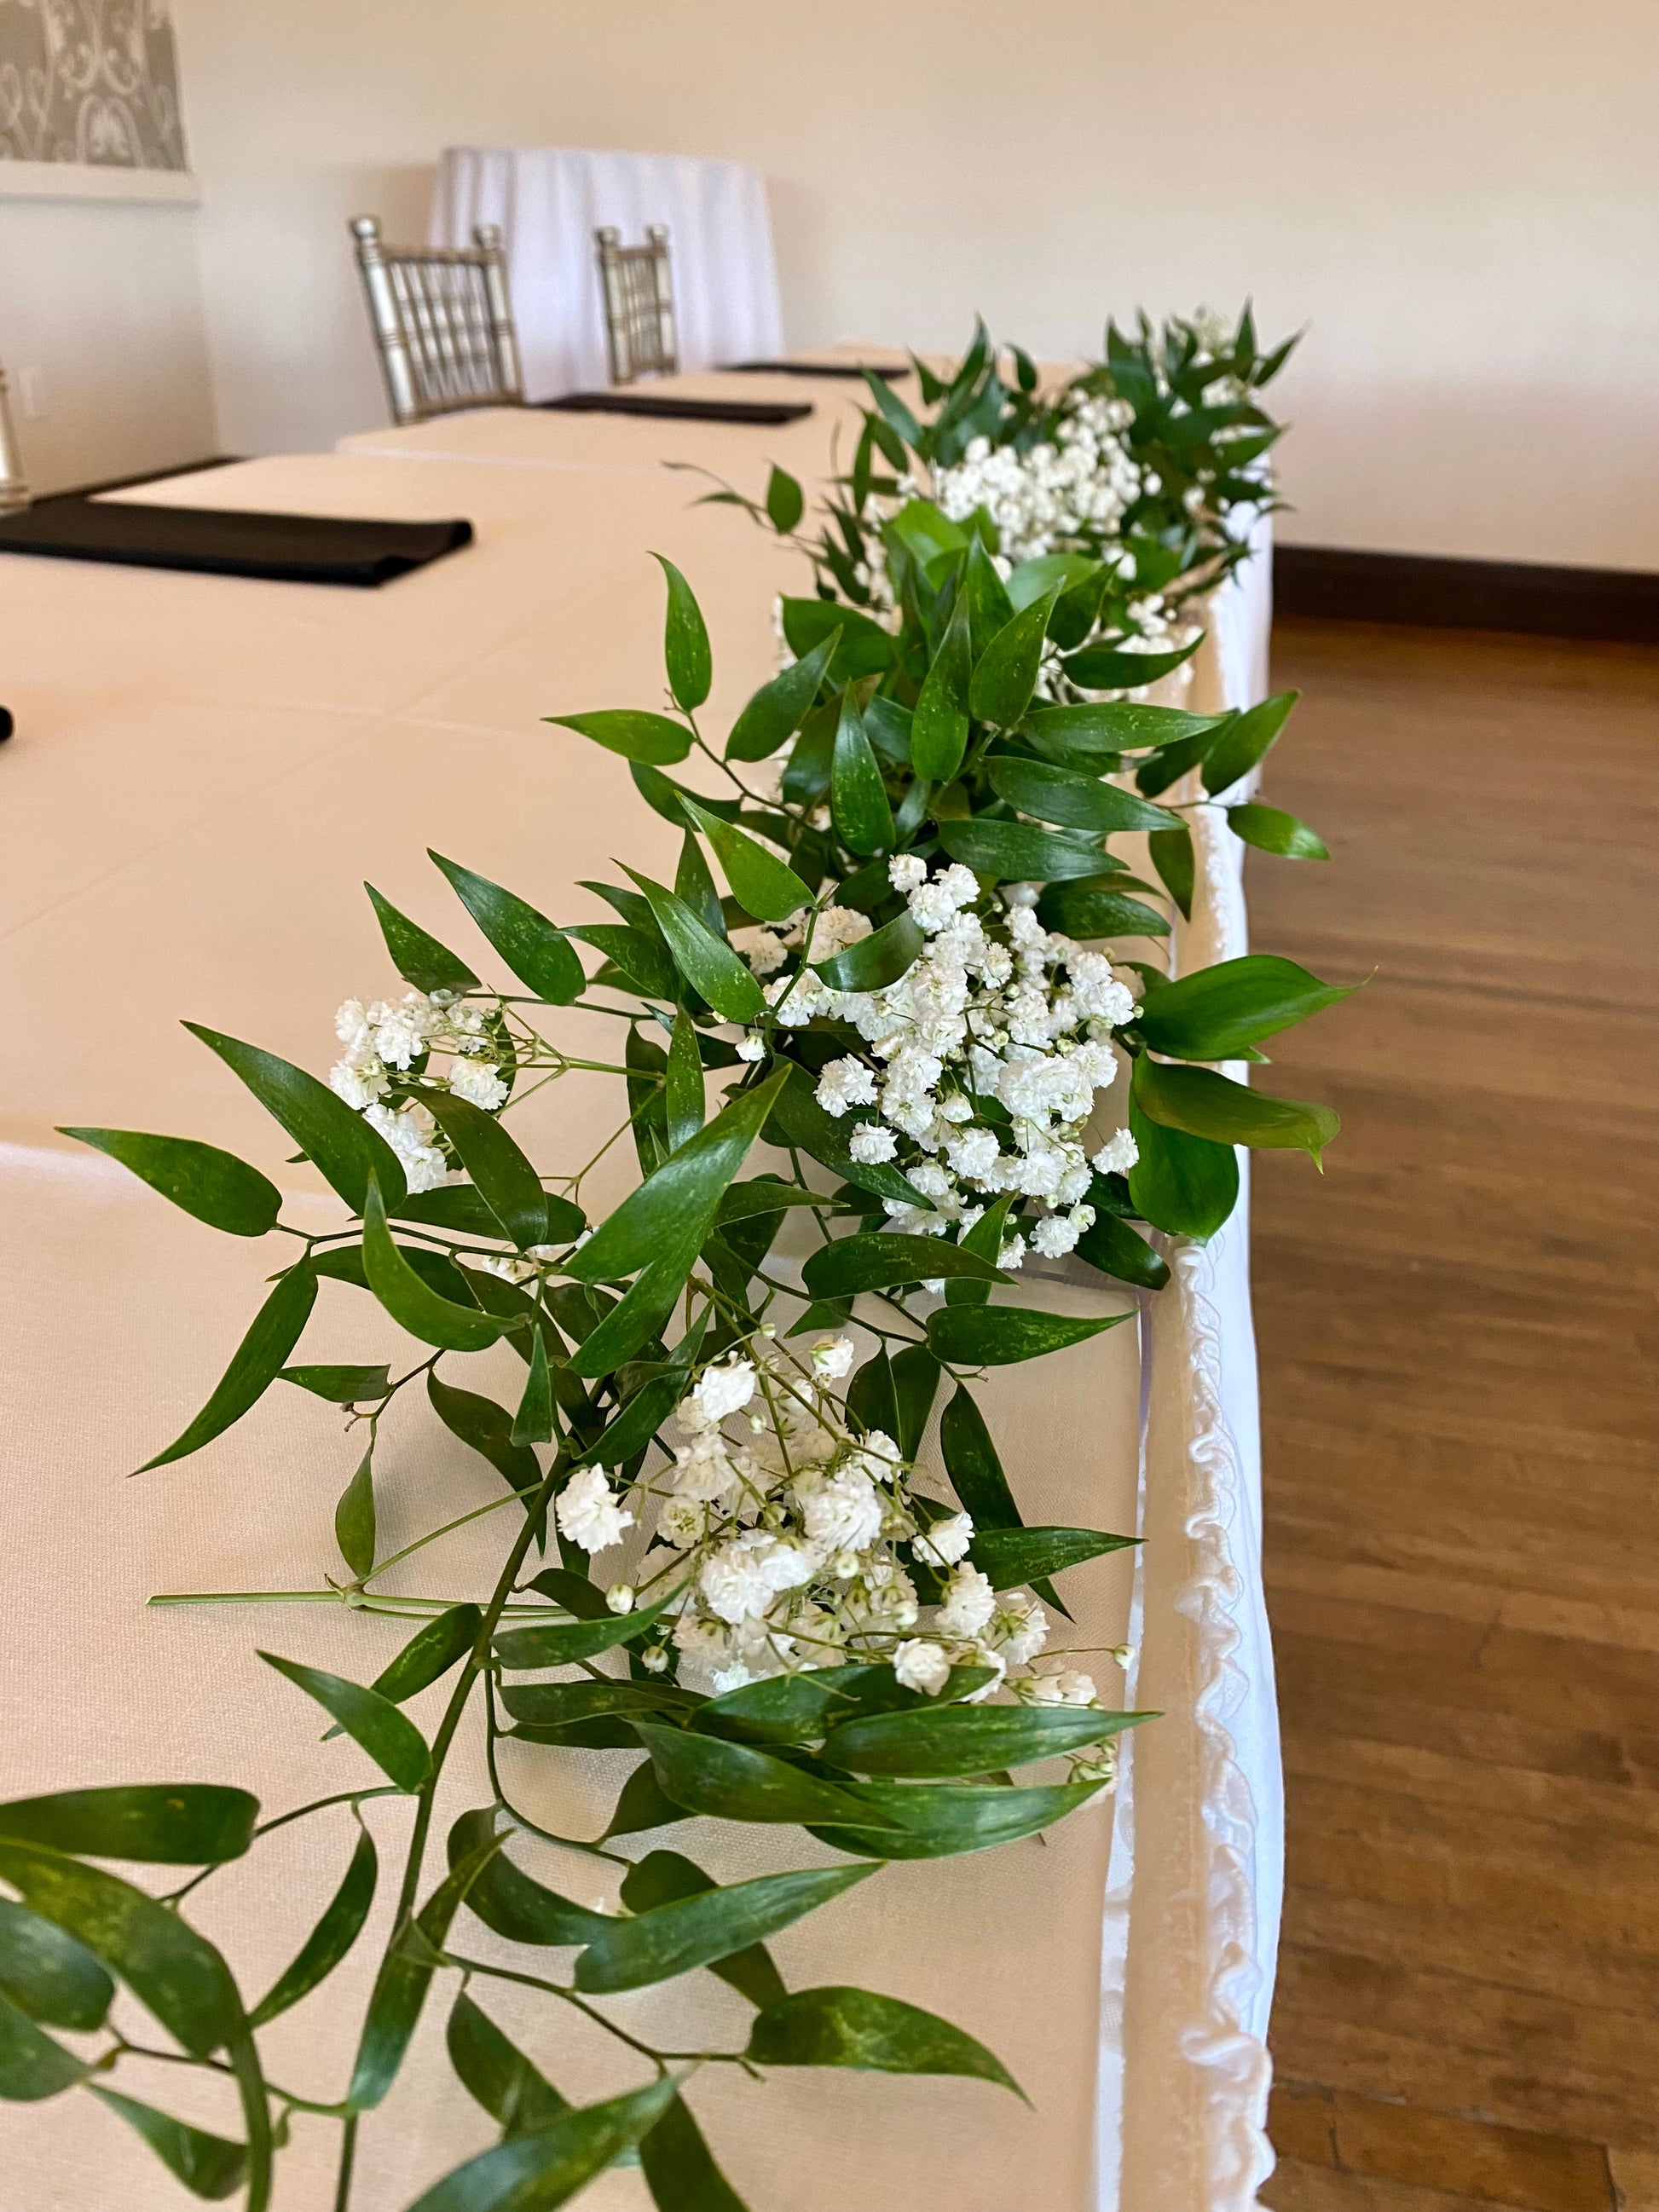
(1066, 496)
(782, 1540)
(982, 1065)
(387, 1043)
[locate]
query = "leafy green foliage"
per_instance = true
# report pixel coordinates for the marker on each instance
(876, 2034)
(410, 1301)
(548, 2166)
(635, 735)
(858, 798)
(278, 1327)
(1272, 830)
(693, 1931)
(343, 1147)
(329, 1941)
(216, 1186)
(47, 1974)
(513, 2092)
(685, 642)
(418, 958)
(390, 1738)
(994, 1336)
(208, 2166)
(1220, 1012)
(540, 956)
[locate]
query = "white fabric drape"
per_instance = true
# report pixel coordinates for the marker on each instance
(549, 200)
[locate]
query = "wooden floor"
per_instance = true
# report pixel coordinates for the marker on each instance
(1457, 1328)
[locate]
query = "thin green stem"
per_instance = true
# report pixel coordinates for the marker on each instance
(432, 1535)
(348, 2159)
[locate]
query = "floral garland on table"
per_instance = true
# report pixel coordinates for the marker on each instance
(796, 1623)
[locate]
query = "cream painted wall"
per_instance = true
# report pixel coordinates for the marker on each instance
(101, 320)
(1461, 201)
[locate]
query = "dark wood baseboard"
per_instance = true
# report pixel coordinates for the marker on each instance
(1620, 604)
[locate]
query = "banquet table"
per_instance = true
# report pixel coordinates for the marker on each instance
(205, 769)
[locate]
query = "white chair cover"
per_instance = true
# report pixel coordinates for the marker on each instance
(549, 200)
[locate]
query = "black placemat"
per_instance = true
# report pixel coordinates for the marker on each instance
(888, 372)
(675, 406)
(295, 549)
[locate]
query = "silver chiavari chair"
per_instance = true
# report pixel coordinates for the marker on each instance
(639, 304)
(443, 322)
(14, 489)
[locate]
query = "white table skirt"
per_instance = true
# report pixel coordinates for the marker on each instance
(196, 852)
(549, 202)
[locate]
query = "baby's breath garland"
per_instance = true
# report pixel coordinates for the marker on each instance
(914, 991)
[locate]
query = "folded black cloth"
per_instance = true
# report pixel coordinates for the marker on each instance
(676, 406)
(296, 549)
(887, 371)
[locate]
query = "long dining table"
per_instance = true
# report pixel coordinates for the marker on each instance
(205, 770)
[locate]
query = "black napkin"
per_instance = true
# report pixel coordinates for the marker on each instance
(676, 406)
(886, 371)
(297, 548)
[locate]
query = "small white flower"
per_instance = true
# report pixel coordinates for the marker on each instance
(921, 1664)
(653, 1659)
(723, 1391)
(479, 1083)
(870, 1142)
(740, 1580)
(620, 1597)
(838, 927)
(588, 1513)
(1069, 1689)
(1117, 1155)
(844, 1511)
(970, 1603)
(832, 1357)
(846, 1083)
(946, 1542)
(906, 873)
(751, 1046)
(767, 954)
(1125, 1655)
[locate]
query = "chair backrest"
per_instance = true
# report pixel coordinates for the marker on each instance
(443, 322)
(639, 304)
(13, 491)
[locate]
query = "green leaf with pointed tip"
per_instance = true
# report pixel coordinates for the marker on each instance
(874, 962)
(968, 1740)
(680, 2167)
(390, 1738)
(876, 2034)
(565, 1641)
(664, 796)
(1103, 726)
(916, 1384)
(858, 798)
(761, 883)
(1246, 741)
(939, 729)
(1219, 1012)
(208, 2165)
(353, 1518)
(691, 1931)
(942, 1819)
(694, 885)
(1103, 668)
(661, 1878)
(990, 607)
(534, 2173)
(641, 1315)
(539, 954)
(631, 732)
(890, 727)
(971, 1461)
(405, 1976)
(1091, 908)
(879, 1259)
(892, 409)
(1120, 1251)
(1076, 801)
(430, 1654)
(487, 1428)
(1185, 1185)
(994, 1336)
(177, 1973)
(707, 963)
(781, 1709)
(1012, 1555)
(409, 1301)
(1202, 1103)
(985, 1237)
(47, 1974)
(533, 1422)
(1005, 674)
(329, 1941)
(684, 1085)
(1017, 852)
(735, 1782)
(643, 961)
(216, 1186)
(1172, 855)
(503, 1178)
(33, 2066)
(340, 1143)
(685, 642)
(641, 1806)
(496, 2072)
(508, 1900)
(1272, 830)
(778, 709)
(276, 1328)
(341, 1386)
(417, 957)
(677, 1204)
(785, 502)
(865, 648)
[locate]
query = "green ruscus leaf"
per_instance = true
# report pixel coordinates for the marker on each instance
(857, 2029)
(539, 954)
(516, 2095)
(1006, 673)
(778, 709)
(33, 2065)
(685, 642)
(47, 1974)
(412, 1303)
(680, 2167)
(693, 1931)
(1270, 829)
(761, 883)
(530, 2172)
(216, 1186)
(418, 957)
(353, 1518)
(1186, 1185)
(390, 1737)
(208, 2165)
(993, 1336)
(939, 732)
(179, 1824)
(259, 1358)
(1201, 1104)
(330, 1940)
(1219, 1012)
(634, 734)
(339, 1143)
(858, 798)
(706, 963)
